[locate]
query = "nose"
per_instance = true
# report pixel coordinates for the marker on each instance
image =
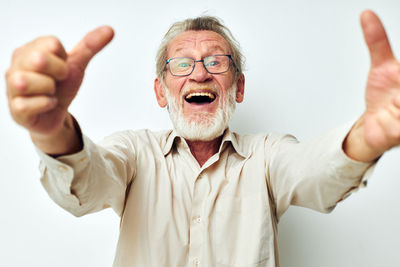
(200, 74)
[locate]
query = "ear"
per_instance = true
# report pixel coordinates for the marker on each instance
(160, 93)
(240, 89)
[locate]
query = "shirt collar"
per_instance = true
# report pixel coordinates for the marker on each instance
(170, 140)
(228, 137)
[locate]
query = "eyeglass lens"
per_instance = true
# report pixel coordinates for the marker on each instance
(184, 66)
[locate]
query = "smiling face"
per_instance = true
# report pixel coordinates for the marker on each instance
(201, 101)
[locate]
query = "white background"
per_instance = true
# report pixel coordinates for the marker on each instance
(306, 70)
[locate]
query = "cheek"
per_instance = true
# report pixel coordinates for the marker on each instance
(175, 85)
(226, 86)
(227, 80)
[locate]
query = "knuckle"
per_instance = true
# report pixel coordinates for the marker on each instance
(16, 81)
(49, 43)
(19, 106)
(53, 43)
(38, 60)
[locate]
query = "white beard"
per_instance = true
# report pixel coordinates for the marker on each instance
(202, 126)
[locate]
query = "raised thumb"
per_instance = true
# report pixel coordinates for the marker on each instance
(89, 46)
(376, 38)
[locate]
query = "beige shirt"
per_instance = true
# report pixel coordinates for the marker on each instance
(225, 213)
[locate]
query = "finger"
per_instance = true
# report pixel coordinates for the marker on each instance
(376, 38)
(24, 83)
(44, 63)
(50, 44)
(90, 45)
(24, 109)
(38, 55)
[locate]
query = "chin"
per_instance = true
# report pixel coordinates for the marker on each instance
(203, 127)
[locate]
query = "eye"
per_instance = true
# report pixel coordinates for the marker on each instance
(213, 63)
(183, 65)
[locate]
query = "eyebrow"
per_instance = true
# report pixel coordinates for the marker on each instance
(211, 49)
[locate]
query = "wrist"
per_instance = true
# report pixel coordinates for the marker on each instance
(67, 140)
(355, 145)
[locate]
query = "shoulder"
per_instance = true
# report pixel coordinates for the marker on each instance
(140, 137)
(252, 142)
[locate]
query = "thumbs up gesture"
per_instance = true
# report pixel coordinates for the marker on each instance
(43, 79)
(378, 129)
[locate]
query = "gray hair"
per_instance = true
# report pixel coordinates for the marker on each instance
(203, 23)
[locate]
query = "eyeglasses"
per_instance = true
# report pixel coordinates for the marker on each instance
(184, 66)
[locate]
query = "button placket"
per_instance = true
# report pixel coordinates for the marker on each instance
(195, 231)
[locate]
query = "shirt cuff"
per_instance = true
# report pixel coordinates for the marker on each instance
(349, 167)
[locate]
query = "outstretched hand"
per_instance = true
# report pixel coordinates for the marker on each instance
(379, 128)
(43, 79)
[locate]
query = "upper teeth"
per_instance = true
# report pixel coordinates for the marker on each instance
(212, 96)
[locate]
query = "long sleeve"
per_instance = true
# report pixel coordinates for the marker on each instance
(93, 179)
(315, 174)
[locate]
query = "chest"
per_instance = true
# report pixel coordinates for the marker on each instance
(213, 212)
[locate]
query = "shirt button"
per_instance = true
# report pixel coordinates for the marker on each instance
(62, 168)
(196, 261)
(197, 219)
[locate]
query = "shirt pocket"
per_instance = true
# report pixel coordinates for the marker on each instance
(243, 231)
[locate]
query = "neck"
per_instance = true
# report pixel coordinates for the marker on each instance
(203, 150)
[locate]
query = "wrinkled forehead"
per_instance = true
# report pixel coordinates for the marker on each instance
(205, 42)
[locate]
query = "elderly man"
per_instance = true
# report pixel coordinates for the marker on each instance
(198, 195)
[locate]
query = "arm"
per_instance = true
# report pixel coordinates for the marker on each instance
(42, 81)
(378, 129)
(92, 179)
(323, 174)
(314, 174)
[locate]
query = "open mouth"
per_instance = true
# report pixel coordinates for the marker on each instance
(200, 98)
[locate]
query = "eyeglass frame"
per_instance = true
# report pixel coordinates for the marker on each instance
(201, 60)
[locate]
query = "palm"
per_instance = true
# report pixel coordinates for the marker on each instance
(382, 119)
(382, 88)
